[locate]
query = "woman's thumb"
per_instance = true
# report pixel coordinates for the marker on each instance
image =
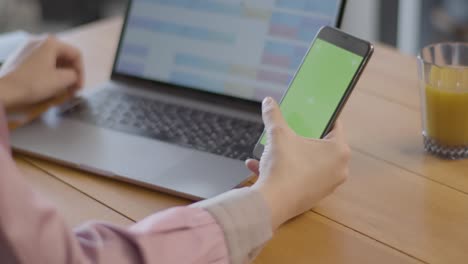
(272, 116)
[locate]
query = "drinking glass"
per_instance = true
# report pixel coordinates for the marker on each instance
(443, 75)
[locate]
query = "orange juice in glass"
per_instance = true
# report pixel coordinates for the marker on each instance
(443, 71)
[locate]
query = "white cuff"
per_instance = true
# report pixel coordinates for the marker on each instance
(245, 219)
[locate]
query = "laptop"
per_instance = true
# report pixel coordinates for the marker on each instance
(182, 110)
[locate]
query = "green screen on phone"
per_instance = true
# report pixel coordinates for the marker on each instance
(318, 88)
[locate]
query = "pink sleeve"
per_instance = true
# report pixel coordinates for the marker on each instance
(31, 230)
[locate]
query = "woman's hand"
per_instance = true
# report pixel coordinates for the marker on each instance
(43, 68)
(295, 172)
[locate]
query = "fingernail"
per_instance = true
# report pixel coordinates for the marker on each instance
(267, 101)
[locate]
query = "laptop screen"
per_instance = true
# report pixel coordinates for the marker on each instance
(247, 49)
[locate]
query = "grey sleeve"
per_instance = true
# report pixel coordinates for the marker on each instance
(245, 219)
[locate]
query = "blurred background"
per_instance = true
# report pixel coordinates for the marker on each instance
(405, 24)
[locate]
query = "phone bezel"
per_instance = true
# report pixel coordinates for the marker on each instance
(347, 42)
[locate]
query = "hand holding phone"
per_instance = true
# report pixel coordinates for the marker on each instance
(296, 172)
(323, 83)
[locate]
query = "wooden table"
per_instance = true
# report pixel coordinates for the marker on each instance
(399, 205)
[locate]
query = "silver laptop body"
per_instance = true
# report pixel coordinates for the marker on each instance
(190, 154)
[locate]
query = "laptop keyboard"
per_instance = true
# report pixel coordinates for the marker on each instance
(188, 127)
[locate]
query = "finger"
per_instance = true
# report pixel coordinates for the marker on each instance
(273, 118)
(63, 80)
(337, 133)
(75, 61)
(70, 57)
(253, 166)
(65, 64)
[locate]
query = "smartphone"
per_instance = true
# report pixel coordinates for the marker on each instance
(323, 83)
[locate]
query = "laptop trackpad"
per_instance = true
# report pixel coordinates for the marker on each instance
(205, 175)
(138, 159)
